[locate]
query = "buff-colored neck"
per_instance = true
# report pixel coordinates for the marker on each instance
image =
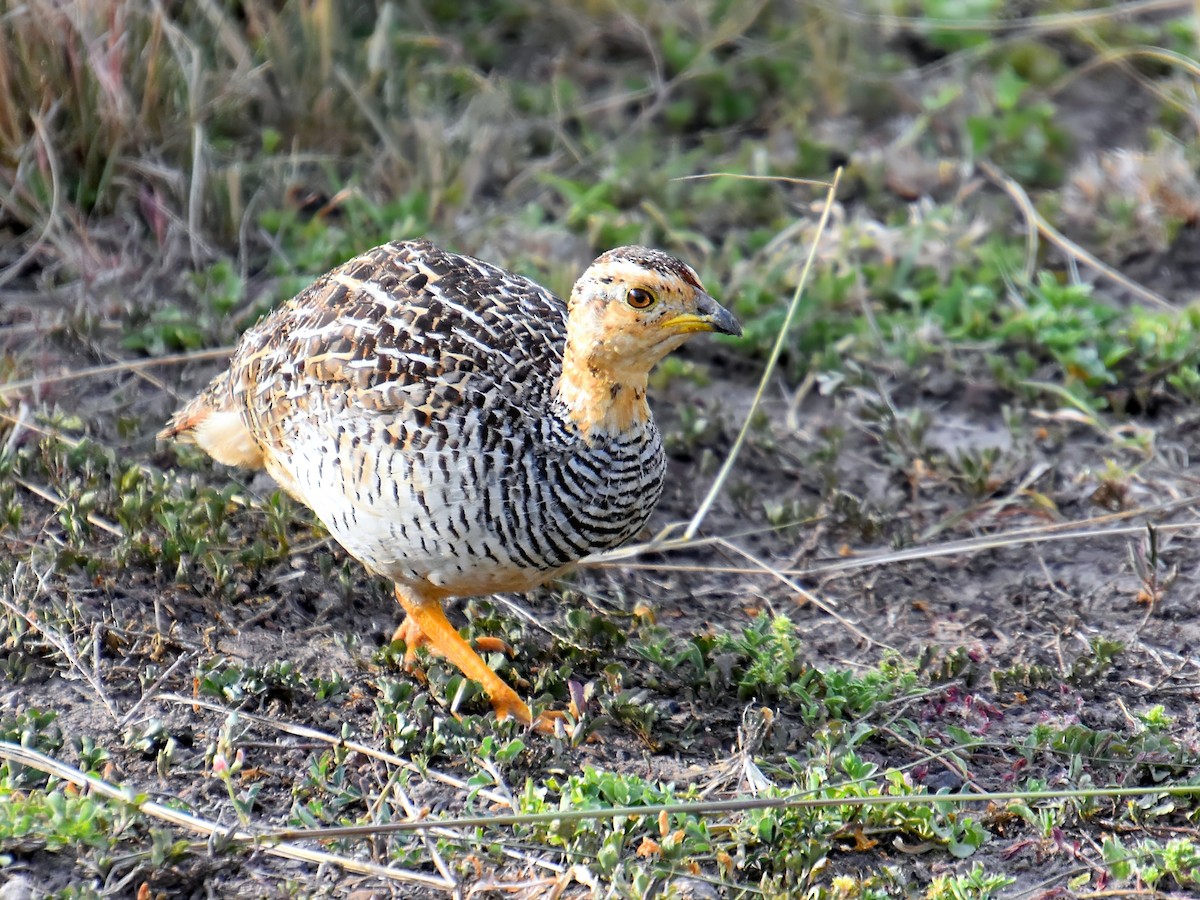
(599, 401)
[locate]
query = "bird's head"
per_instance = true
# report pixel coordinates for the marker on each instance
(635, 305)
(630, 308)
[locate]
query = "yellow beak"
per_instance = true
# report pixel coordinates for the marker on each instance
(709, 316)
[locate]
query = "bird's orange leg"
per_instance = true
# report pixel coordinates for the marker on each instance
(427, 616)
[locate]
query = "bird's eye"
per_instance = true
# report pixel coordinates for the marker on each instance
(639, 298)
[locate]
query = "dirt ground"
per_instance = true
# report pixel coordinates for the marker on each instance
(1041, 602)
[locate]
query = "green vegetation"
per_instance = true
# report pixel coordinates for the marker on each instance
(997, 343)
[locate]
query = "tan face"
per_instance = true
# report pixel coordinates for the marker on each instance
(637, 306)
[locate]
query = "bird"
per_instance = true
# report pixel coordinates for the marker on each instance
(459, 429)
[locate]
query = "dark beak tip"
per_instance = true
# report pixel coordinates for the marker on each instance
(721, 319)
(727, 324)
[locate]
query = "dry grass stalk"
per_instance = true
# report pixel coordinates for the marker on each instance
(260, 841)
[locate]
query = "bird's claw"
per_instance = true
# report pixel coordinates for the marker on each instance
(548, 722)
(414, 638)
(487, 644)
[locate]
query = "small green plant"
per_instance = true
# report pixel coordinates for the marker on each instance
(312, 245)
(60, 821)
(1155, 719)
(695, 429)
(1174, 865)
(767, 662)
(226, 762)
(401, 714)
(328, 793)
(1023, 676)
(1091, 666)
(978, 884)
(935, 13)
(91, 756)
(617, 845)
(1020, 132)
(37, 730)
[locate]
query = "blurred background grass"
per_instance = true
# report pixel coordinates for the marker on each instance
(141, 140)
(160, 118)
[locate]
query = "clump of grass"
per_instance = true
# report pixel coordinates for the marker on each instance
(167, 118)
(123, 89)
(1127, 202)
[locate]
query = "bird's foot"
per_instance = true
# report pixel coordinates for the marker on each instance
(507, 705)
(412, 635)
(414, 638)
(426, 624)
(552, 721)
(547, 722)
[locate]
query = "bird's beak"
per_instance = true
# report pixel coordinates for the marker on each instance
(709, 316)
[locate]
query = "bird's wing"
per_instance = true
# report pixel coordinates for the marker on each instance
(403, 331)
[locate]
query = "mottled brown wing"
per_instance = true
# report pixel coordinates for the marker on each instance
(405, 330)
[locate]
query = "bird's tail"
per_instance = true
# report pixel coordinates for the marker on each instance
(213, 420)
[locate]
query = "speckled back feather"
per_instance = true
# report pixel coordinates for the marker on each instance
(408, 330)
